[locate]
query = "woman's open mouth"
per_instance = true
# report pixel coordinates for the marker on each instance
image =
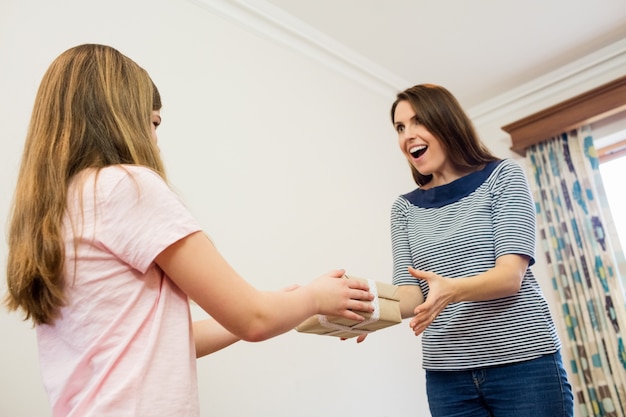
(417, 151)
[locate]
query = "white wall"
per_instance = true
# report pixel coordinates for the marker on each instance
(290, 166)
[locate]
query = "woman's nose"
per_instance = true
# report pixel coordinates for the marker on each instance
(409, 132)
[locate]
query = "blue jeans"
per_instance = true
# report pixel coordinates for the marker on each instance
(534, 388)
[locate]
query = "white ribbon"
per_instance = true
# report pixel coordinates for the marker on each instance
(355, 328)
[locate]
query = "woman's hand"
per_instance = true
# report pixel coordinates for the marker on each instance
(440, 294)
(503, 280)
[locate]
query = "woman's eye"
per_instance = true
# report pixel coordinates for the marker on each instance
(156, 124)
(399, 128)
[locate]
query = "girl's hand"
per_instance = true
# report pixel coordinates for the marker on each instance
(359, 338)
(337, 296)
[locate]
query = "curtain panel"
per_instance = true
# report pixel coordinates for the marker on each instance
(583, 255)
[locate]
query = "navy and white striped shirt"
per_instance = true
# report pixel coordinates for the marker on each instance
(458, 230)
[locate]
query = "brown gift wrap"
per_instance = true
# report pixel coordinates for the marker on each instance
(386, 313)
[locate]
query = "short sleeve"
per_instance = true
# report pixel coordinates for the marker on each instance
(514, 217)
(400, 245)
(140, 216)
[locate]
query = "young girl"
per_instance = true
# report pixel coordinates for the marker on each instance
(103, 256)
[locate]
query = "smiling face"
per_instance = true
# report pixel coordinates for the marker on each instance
(423, 150)
(436, 136)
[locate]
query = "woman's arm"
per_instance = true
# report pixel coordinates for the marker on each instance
(198, 269)
(503, 280)
(410, 297)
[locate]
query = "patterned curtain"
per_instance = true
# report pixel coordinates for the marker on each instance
(583, 258)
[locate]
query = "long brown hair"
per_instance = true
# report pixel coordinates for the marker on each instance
(442, 115)
(92, 110)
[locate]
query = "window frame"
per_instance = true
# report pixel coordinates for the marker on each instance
(596, 104)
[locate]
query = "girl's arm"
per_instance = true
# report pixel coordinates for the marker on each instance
(210, 336)
(198, 269)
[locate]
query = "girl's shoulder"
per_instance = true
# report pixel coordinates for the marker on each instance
(123, 171)
(116, 179)
(115, 174)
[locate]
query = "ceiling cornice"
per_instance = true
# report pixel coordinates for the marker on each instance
(269, 21)
(609, 60)
(265, 19)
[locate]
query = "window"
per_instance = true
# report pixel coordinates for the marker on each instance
(613, 174)
(610, 142)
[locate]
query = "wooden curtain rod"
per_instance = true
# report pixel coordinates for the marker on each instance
(589, 107)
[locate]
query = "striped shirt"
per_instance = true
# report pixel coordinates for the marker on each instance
(459, 230)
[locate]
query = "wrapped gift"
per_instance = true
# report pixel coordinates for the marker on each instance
(386, 313)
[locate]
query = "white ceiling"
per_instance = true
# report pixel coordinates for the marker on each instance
(478, 49)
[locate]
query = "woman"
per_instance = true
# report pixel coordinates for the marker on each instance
(103, 256)
(463, 243)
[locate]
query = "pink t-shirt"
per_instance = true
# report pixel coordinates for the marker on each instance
(124, 344)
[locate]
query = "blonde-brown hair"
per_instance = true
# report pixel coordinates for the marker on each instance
(92, 110)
